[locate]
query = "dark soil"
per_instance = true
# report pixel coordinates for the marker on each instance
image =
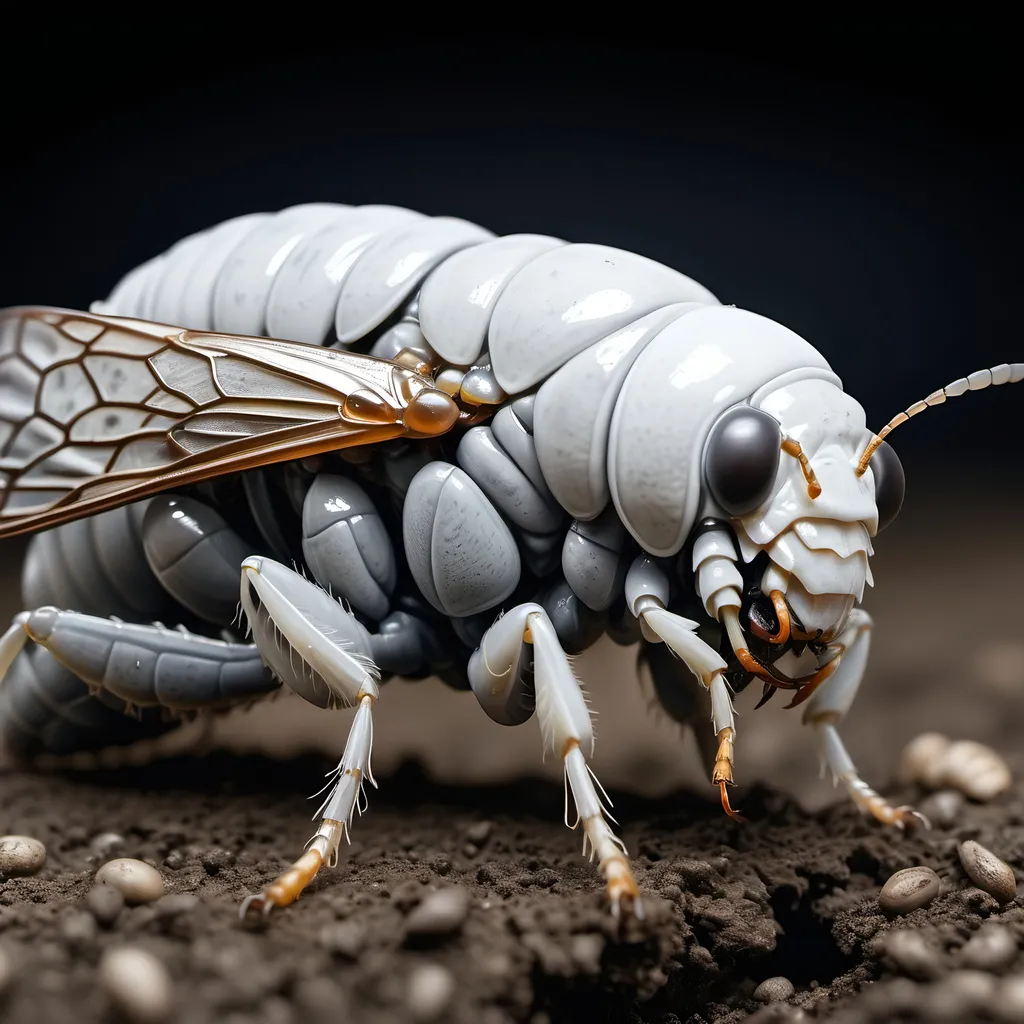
(727, 904)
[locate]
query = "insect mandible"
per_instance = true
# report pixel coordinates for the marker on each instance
(486, 452)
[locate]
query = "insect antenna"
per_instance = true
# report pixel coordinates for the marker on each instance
(791, 447)
(1004, 373)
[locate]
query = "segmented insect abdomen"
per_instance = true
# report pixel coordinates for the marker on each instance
(95, 565)
(45, 709)
(333, 274)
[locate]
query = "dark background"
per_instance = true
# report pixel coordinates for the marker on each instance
(864, 189)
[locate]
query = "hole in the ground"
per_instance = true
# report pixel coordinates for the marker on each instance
(805, 951)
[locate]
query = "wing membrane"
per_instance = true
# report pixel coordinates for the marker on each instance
(96, 411)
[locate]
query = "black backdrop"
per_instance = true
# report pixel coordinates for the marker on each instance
(866, 195)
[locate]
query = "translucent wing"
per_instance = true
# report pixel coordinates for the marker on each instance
(96, 411)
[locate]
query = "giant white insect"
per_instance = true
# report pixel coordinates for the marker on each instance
(493, 449)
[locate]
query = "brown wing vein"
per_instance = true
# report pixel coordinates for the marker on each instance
(298, 407)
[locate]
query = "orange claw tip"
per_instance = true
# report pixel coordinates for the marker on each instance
(256, 902)
(431, 412)
(726, 806)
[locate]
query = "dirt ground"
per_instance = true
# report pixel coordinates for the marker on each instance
(466, 804)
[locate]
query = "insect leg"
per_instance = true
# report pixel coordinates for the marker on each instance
(147, 666)
(829, 705)
(566, 728)
(314, 645)
(647, 591)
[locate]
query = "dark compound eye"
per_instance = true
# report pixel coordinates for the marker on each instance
(890, 484)
(741, 459)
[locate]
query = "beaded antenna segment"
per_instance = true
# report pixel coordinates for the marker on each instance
(1004, 373)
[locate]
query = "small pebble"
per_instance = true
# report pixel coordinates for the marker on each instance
(976, 770)
(20, 855)
(105, 902)
(922, 758)
(440, 913)
(479, 832)
(587, 949)
(913, 954)
(959, 995)
(935, 761)
(343, 937)
(78, 928)
(943, 809)
(774, 990)
(175, 860)
(909, 890)
(105, 844)
(1011, 998)
(431, 988)
(138, 882)
(137, 983)
(991, 948)
(217, 860)
(321, 998)
(987, 871)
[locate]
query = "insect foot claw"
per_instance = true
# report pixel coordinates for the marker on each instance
(256, 902)
(908, 818)
(623, 893)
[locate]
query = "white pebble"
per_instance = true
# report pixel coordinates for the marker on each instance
(1011, 998)
(137, 881)
(913, 954)
(106, 843)
(935, 762)
(976, 770)
(921, 758)
(991, 948)
(441, 913)
(431, 988)
(137, 983)
(20, 855)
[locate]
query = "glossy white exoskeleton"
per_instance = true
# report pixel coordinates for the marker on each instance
(627, 455)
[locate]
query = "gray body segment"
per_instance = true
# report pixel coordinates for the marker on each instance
(151, 665)
(95, 564)
(461, 552)
(346, 545)
(195, 555)
(46, 709)
(592, 560)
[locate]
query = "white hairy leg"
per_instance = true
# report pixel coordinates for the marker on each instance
(829, 704)
(307, 639)
(567, 730)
